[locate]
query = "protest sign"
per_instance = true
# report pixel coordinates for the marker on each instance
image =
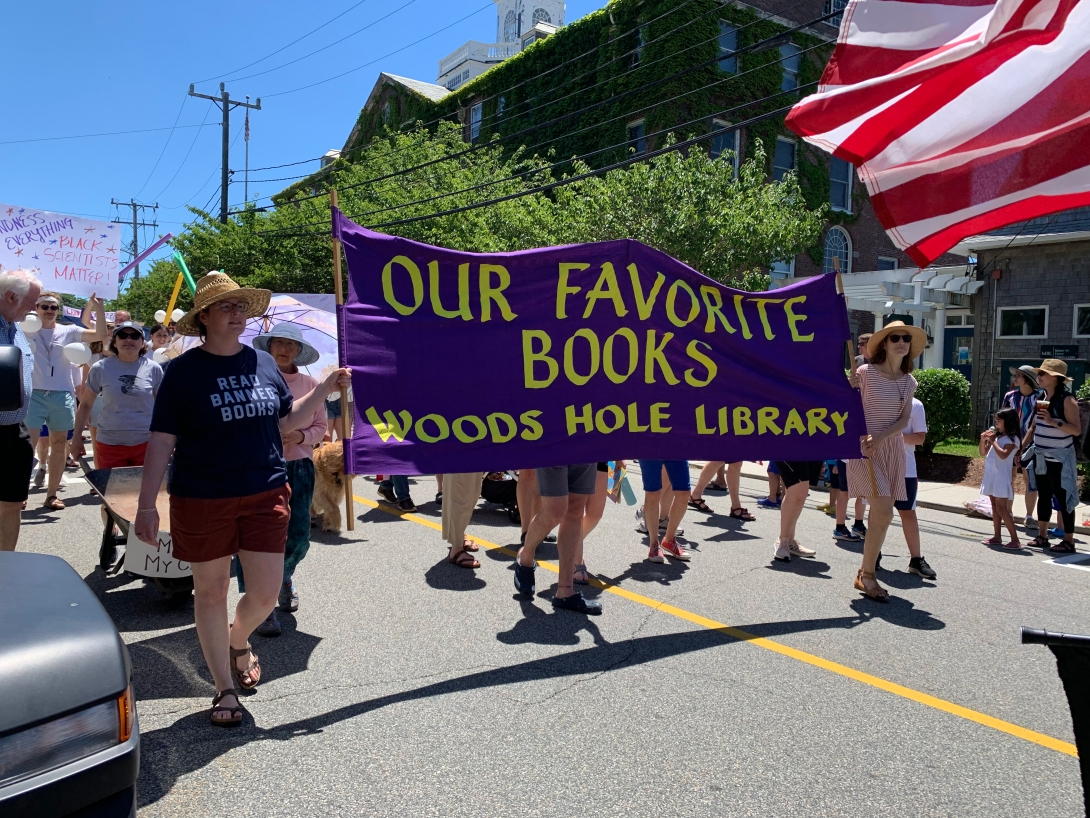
(70, 254)
(468, 362)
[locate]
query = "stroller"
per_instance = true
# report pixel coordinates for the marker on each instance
(501, 488)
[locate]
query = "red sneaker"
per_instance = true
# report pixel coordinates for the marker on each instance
(672, 549)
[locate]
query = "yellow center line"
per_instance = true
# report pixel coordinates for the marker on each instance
(768, 644)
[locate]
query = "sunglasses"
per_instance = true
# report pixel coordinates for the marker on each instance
(898, 338)
(126, 335)
(48, 307)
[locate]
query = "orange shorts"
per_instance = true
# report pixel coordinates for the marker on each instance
(205, 529)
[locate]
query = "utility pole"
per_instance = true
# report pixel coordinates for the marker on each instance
(246, 172)
(225, 104)
(136, 224)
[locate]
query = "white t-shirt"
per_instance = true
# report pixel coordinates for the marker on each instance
(52, 370)
(916, 424)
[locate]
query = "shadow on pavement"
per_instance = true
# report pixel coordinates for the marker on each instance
(444, 576)
(815, 569)
(898, 612)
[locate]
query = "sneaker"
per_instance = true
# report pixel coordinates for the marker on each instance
(270, 628)
(859, 528)
(439, 498)
(550, 538)
(407, 505)
(524, 579)
(783, 551)
(674, 550)
(664, 522)
(764, 502)
(288, 600)
(654, 554)
(387, 494)
(641, 523)
(842, 532)
(1031, 522)
(1057, 532)
(919, 567)
(827, 508)
(39, 478)
(577, 603)
(799, 550)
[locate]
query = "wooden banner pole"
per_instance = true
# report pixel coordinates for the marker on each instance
(338, 288)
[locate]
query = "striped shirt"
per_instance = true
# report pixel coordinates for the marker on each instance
(1050, 438)
(11, 335)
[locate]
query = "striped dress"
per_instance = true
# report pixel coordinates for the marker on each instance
(883, 474)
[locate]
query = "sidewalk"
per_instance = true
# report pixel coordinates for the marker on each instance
(939, 496)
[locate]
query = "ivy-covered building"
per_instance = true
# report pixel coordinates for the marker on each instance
(623, 78)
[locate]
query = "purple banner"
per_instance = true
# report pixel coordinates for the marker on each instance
(484, 361)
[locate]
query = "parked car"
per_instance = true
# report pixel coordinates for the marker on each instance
(69, 735)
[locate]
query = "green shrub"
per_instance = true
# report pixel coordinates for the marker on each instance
(945, 395)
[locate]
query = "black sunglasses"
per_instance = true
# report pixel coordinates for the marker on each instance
(896, 338)
(48, 307)
(125, 335)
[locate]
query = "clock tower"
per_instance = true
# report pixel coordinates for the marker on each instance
(515, 17)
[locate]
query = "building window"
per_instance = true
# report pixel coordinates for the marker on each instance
(510, 27)
(641, 40)
(636, 139)
(954, 320)
(541, 16)
(1023, 322)
(840, 184)
(784, 160)
(501, 103)
(475, 122)
(783, 269)
(790, 59)
(830, 7)
(724, 143)
(838, 251)
(386, 112)
(1082, 321)
(728, 44)
(885, 263)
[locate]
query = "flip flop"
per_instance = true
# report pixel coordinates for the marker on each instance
(992, 541)
(1013, 546)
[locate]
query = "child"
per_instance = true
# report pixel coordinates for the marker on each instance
(834, 489)
(997, 444)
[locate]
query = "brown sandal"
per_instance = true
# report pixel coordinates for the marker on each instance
(236, 711)
(877, 593)
(53, 503)
(463, 559)
(741, 514)
(249, 678)
(469, 545)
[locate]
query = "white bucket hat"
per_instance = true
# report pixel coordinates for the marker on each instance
(289, 332)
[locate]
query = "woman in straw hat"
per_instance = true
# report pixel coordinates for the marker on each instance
(1056, 426)
(887, 387)
(222, 410)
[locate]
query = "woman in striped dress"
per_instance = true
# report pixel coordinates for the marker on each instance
(887, 386)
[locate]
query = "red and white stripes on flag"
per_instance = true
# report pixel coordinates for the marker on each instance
(961, 115)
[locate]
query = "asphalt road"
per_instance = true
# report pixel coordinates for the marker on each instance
(405, 686)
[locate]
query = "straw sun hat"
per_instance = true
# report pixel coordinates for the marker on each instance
(215, 287)
(1056, 367)
(919, 338)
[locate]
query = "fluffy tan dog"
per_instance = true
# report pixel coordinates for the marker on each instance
(328, 488)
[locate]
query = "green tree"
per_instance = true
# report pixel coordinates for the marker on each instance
(944, 394)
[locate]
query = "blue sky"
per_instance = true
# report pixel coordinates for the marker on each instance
(98, 67)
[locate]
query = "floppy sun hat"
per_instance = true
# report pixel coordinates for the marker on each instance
(1054, 366)
(919, 338)
(214, 287)
(289, 332)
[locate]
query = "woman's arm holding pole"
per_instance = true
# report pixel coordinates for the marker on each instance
(156, 458)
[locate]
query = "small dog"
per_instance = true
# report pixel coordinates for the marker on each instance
(328, 485)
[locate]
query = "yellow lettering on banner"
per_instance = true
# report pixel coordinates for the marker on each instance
(793, 319)
(391, 428)
(633, 419)
(794, 423)
(607, 288)
(600, 419)
(440, 424)
(562, 288)
(700, 358)
(765, 417)
(388, 284)
(569, 357)
(838, 419)
(644, 306)
(658, 416)
(671, 299)
(494, 427)
(529, 358)
(713, 300)
(742, 317)
(633, 355)
(533, 430)
(653, 354)
(815, 420)
(463, 310)
(701, 424)
(490, 293)
(762, 311)
(743, 421)
(584, 418)
(724, 424)
(460, 432)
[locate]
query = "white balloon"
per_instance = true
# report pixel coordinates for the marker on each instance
(177, 316)
(160, 316)
(77, 353)
(32, 323)
(159, 356)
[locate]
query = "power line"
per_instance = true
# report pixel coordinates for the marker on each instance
(93, 135)
(184, 158)
(165, 146)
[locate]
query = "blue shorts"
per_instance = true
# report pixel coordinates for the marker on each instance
(52, 408)
(772, 467)
(841, 475)
(911, 484)
(676, 470)
(333, 409)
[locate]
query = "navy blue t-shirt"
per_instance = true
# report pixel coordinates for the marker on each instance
(225, 412)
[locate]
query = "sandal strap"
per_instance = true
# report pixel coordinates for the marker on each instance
(228, 692)
(237, 652)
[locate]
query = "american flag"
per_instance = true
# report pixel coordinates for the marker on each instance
(961, 115)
